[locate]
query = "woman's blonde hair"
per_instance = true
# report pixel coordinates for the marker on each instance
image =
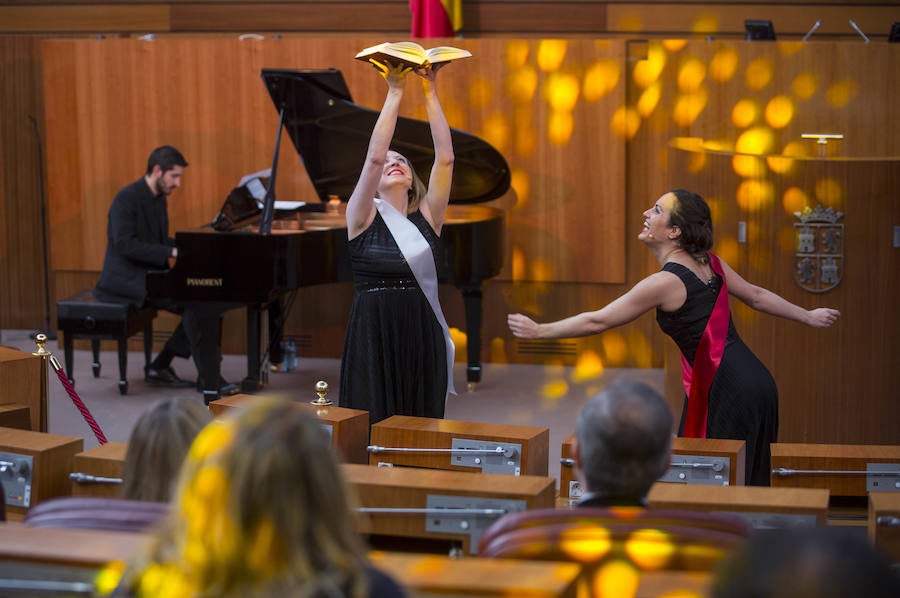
(262, 509)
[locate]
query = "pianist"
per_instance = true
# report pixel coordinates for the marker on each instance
(137, 242)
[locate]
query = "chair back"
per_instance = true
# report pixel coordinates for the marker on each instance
(99, 513)
(616, 545)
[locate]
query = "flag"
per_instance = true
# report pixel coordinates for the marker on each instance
(435, 18)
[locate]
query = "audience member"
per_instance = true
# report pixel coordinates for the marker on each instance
(623, 442)
(261, 510)
(829, 562)
(157, 447)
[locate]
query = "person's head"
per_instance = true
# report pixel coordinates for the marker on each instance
(829, 562)
(157, 446)
(399, 173)
(623, 440)
(682, 218)
(165, 167)
(261, 509)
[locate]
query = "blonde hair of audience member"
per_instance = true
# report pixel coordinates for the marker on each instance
(261, 510)
(157, 447)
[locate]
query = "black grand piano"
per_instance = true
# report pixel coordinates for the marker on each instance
(252, 260)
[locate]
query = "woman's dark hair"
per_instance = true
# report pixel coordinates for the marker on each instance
(691, 214)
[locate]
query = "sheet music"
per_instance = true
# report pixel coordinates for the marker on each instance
(258, 190)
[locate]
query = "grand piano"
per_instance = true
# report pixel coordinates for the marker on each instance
(258, 256)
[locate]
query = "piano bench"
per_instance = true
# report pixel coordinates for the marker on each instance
(84, 316)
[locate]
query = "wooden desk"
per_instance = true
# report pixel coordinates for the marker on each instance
(436, 575)
(682, 449)
(764, 507)
(417, 488)
(348, 428)
(21, 377)
(48, 459)
(65, 546)
(104, 461)
(836, 458)
(528, 447)
(885, 533)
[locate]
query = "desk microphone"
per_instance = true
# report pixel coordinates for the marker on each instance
(858, 30)
(812, 30)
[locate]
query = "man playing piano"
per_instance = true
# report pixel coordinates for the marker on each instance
(137, 242)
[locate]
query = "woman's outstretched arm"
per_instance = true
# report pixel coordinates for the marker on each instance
(434, 206)
(360, 207)
(766, 301)
(656, 289)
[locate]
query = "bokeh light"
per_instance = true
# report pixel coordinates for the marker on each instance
(674, 45)
(757, 141)
(496, 131)
(794, 199)
(649, 99)
(755, 195)
(723, 64)
(745, 113)
(759, 73)
(614, 347)
(691, 74)
(521, 184)
(689, 106)
(551, 53)
(625, 122)
(650, 549)
(522, 84)
(588, 367)
(560, 125)
(748, 166)
(600, 79)
(617, 578)
(780, 111)
(647, 71)
(561, 92)
(841, 94)
(804, 86)
(829, 192)
(517, 52)
(585, 543)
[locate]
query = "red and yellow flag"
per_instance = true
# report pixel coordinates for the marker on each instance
(435, 18)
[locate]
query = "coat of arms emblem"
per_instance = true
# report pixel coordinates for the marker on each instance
(818, 249)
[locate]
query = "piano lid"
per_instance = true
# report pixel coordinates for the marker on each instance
(331, 134)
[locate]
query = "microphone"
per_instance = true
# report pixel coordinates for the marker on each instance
(858, 30)
(812, 30)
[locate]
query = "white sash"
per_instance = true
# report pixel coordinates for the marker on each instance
(418, 255)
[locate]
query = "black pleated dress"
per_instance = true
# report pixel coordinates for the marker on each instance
(394, 360)
(743, 398)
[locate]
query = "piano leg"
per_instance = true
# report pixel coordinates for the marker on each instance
(253, 381)
(472, 302)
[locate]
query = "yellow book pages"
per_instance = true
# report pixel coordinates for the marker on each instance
(411, 53)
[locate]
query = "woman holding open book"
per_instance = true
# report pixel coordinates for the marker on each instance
(398, 356)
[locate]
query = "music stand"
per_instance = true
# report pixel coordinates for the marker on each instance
(758, 30)
(894, 35)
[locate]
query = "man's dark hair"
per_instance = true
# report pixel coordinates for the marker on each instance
(166, 157)
(624, 437)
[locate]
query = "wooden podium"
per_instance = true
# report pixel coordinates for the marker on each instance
(410, 502)
(884, 523)
(98, 471)
(764, 508)
(20, 384)
(39, 468)
(348, 428)
(845, 470)
(702, 461)
(460, 445)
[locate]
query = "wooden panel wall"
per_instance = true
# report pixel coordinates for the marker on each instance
(22, 303)
(699, 18)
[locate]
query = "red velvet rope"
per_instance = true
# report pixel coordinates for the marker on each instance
(79, 404)
(698, 380)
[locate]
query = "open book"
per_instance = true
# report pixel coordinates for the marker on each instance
(411, 53)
